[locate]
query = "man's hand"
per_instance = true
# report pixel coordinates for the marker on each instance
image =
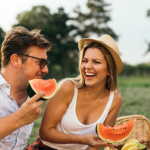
(30, 110)
(26, 114)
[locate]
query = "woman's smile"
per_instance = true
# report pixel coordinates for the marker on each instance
(90, 75)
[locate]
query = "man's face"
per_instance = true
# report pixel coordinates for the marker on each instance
(31, 69)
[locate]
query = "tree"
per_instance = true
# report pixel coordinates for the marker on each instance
(95, 21)
(148, 43)
(148, 49)
(1, 36)
(1, 40)
(63, 56)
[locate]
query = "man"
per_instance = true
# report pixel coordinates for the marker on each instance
(23, 57)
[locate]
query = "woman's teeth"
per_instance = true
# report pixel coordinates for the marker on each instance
(90, 74)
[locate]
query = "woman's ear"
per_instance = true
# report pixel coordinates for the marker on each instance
(108, 73)
(15, 60)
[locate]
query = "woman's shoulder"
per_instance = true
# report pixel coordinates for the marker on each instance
(66, 86)
(117, 98)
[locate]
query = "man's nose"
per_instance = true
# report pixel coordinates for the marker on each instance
(45, 69)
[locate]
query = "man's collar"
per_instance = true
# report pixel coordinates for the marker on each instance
(2, 80)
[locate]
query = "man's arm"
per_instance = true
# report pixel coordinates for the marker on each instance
(26, 114)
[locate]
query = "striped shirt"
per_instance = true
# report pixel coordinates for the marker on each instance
(18, 139)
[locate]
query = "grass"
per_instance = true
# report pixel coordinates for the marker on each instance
(136, 100)
(135, 92)
(35, 131)
(134, 81)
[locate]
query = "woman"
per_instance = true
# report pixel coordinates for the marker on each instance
(80, 103)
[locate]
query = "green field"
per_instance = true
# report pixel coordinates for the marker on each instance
(135, 92)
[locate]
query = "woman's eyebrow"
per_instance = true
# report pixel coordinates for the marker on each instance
(93, 59)
(97, 59)
(85, 58)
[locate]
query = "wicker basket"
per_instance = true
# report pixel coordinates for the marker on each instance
(141, 131)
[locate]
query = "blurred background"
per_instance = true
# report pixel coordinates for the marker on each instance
(65, 22)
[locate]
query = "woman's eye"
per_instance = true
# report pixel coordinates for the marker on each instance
(84, 61)
(97, 62)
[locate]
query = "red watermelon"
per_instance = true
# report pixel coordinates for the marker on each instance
(48, 86)
(115, 134)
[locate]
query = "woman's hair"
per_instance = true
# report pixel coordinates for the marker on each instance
(111, 82)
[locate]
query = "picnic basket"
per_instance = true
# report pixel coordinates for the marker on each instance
(141, 131)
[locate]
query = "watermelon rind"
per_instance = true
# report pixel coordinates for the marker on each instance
(97, 127)
(31, 91)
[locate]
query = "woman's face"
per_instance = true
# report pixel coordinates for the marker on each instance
(94, 67)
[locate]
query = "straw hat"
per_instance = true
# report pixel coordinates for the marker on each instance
(108, 42)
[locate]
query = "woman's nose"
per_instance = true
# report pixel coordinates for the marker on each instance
(88, 65)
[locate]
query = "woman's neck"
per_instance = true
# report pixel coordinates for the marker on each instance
(95, 93)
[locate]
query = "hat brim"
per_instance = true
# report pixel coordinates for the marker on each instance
(116, 57)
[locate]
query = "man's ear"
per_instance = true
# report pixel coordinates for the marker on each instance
(15, 60)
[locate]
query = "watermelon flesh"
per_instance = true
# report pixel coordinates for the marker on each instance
(48, 86)
(115, 134)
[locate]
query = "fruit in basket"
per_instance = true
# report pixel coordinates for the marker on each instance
(132, 140)
(133, 144)
(48, 86)
(129, 145)
(115, 134)
(133, 148)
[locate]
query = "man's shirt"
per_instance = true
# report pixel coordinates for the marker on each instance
(18, 139)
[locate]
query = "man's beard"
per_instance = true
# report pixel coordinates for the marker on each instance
(21, 78)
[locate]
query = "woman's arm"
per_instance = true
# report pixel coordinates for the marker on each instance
(114, 110)
(55, 109)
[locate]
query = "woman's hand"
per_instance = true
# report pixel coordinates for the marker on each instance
(95, 143)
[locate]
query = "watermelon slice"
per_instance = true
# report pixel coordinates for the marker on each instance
(48, 86)
(115, 134)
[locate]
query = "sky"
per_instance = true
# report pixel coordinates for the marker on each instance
(128, 20)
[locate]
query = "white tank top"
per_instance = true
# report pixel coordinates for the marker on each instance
(70, 124)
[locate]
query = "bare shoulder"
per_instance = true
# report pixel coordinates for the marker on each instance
(66, 86)
(64, 94)
(117, 98)
(65, 91)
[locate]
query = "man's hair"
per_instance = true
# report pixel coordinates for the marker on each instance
(18, 40)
